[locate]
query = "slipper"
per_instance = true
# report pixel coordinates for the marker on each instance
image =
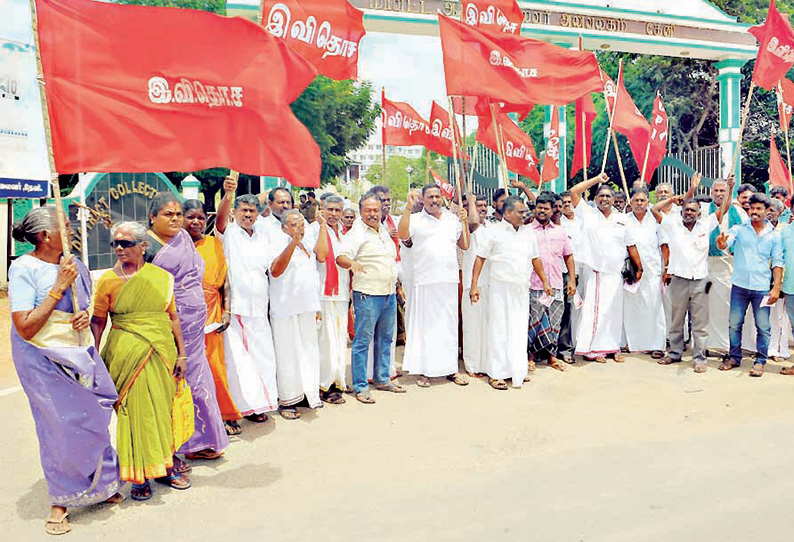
(619, 357)
(118, 498)
(531, 366)
(569, 360)
(232, 428)
(141, 492)
(788, 371)
(175, 481)
(257, 418)
(727, 365)
(289, 413)
(365, 397)
(181, 467)
(458, 380)
(757, 370)
(700, 367)
(423, 382)
(207, 454)
(60, 526)
(555, 364)
(527, 379)
(667, 360)
(599, 359)
(390, 386)
(333, 398)
(657, 354)
(497, 384)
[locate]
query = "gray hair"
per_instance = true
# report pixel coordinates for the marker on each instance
(777, 205)
(334, 199)
(369, 195)
(248, 199)
(35, 221)
(137, 230)
(719, 181)
(290, 212)
(667, 185)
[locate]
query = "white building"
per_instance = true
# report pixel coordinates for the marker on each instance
(371, 153)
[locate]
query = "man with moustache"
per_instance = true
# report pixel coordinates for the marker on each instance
(497, 200)
(474, 315)
(279, 201)
(567, 219)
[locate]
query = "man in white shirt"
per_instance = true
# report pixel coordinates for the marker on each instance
(248, 343)
(512, 250)
(294, 310)
(474, 315)
(565, 344)
(431, 345)
(279, 201)
(334, 299)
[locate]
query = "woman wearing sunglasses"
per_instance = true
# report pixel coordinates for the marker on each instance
(145, 355)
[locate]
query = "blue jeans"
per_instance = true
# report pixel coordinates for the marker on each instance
(740, 299)
(375, 316)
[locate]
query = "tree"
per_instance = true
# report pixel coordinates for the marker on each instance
(398, 176)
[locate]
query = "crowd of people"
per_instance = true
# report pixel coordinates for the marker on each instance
(257, 317)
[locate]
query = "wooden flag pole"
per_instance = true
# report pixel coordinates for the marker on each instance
(645, 162)
(455, 153)
(473, 166)
(620, 165)
(383, 137)
(465, 157)
(500, 153)
(779, 90)
(427, 168)
(741, 129)
(611, 115)
(453, 125)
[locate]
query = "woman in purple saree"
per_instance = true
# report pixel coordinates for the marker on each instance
(70, 392)
(171, 248)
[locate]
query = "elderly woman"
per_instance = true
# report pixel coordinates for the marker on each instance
(216, 294)
(171, 248)
(70, 392)
(141, 355)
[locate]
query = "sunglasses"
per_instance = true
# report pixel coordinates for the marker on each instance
(123, 243)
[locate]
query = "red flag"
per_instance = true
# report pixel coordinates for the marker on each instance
(585, 114)
(324, 32)
(627, 119)
(785, 102)
(497, 15)
(551, 162)
(402, 125)
(440, 138)
(778, 172)
(657, 137)
(447, 190)
(130, 89)
(512, 69)
(775, 48)
(519, 150)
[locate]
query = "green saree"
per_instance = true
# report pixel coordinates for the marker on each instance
(140, 354)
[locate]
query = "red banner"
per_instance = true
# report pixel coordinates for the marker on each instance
(627, 119)
(582, 150)
(658, 138)
(785, 102)
(512, 69)
(551, 162)
(775, 48)
(324, 32)
(440, 138)
(778, 172)
(518, 147)
(402, 125)
(447, 190)
(130, 89)
(497, 15)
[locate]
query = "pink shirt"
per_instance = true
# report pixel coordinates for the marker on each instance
(553, 245)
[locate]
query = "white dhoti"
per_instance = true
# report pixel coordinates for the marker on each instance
(720, 270)
(781, 330)
(601, 321)
(507, 324)
(332, 343)
(475, 330)
(251, 364)
(644, 317)
(297, 359)
(431, 343)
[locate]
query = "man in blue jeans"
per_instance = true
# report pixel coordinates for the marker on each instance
(369, 252)
(756, 248)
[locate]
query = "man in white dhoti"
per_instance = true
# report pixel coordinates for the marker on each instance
(570, 316)
(474, 315)
(512, 250)
(294, 310)
(431, 348)
(248, 342)
(644, 319)
(604, 232)
(781, 327)
(334, 300)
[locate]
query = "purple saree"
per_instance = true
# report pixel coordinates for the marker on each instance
(180, 258)
(70, 392)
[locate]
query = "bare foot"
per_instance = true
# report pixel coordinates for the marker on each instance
(118, 498)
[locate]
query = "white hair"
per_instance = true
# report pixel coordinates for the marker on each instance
(135, 228)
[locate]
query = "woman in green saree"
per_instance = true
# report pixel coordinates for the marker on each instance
(145, 354)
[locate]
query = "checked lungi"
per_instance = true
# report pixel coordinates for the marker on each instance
(544, 323)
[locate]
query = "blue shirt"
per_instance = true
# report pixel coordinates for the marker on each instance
(787, 240)
(753, 254)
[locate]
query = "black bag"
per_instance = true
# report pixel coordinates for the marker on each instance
(629, 272)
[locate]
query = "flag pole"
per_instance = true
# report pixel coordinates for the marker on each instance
(452, 125)
(611, 115)
(741, 128)
(54, 181)
(465, 157)
(584, 133)
(383, 135)
(473, 165)
(645, 162)
(427, 168)
(620, 165)
(502, 158)
(779, 90)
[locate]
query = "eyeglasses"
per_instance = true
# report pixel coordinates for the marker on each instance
(123, 243)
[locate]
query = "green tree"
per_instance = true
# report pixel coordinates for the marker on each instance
(398, 176)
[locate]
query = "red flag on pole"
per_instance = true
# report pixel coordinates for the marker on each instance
(440, 138)
(778, 172)
(785, 103)
(130, 89)
(627, 119)
(402, 125)
(657, 137)
(447, 190)
(519, 150)
(775, 48)
(497, 15)
(512, 69)
(324, 32)
(551, 162)
(585, 114)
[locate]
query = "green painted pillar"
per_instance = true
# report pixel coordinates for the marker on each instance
(730, 78)
(560, 184)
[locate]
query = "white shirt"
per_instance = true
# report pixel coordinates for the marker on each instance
(434, 247)
(297, 290)
(605, 238)
(510, 252)
(689, 250)
(469, 256)
(648, 237)
(248, 258)
(574, 231)
(344, 274)
(375, 251)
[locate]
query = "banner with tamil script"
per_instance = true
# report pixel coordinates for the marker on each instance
(24, 170)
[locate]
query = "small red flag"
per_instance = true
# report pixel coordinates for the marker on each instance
(778, 172)
(551, 162)
(324, 32)
(402, 125)
(513, 69)
(627, 119)
(447, 190)
(497, 15)
(141, 89)
(440, 138)
(785, 102)
(585, 114)
(657, 137)
(775, 48)
(519, 150)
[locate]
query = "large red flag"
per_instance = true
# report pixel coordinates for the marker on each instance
(785, 102)
(402, 125)
(142, 89)
(447, 190)
(512, 69)
(778, 172)
(440, 138)
(324, 32)
(519, 150)
(627, 119)
(582, 150)
(551, 162)
(498, 15)
(657, 138)
(775, 48)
